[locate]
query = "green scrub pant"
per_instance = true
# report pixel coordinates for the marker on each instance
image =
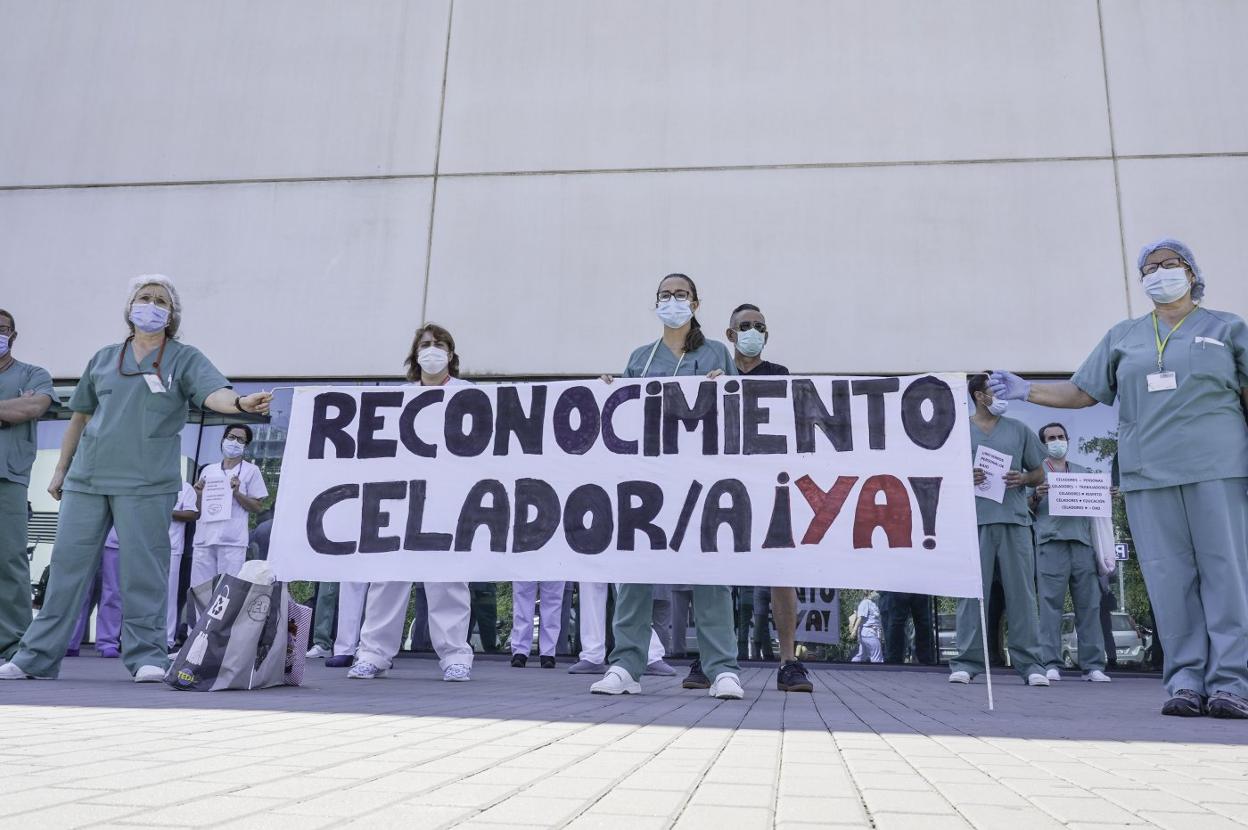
(14, 567)
(143, 534)
(712, 612)
(1009, 550)
(323, 617)
(1058, 564)
(1192, 541)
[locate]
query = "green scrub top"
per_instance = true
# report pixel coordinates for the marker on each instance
(1062, 528)
(1014, 439)
(700, 362)
(133, 441)
(17, 441)
(1195, 432)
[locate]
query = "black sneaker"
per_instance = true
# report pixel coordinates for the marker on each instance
(1184, 704)
(792, 678)
(339, 661)
(1227, 705)
(696, 679)
(518, 660)
(548, 662)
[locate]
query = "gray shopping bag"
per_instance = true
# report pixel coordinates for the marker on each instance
(239, 639)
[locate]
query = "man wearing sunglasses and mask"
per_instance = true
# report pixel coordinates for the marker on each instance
(747, 331)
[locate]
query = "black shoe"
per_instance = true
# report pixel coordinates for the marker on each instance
(696, 679)
(548, 662)
(1227, 705)
(1184, 704)
(792, 678)
(339, 661)
(518, 660)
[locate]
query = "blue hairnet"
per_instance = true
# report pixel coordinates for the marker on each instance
(1198, 288)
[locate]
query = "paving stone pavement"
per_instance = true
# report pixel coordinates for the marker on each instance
(873, 747)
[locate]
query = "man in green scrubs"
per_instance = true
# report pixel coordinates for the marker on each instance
(125, 472)
(1005, 543)
(25, 394)
(1065, 556)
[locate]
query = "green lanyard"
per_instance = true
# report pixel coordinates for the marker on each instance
(1161, 344)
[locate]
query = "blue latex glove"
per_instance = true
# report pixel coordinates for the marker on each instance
(1008, 386)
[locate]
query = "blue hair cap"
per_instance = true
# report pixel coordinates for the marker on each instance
(1198, 288)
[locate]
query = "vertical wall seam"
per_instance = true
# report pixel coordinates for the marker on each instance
(1113, 155)
(437, 161)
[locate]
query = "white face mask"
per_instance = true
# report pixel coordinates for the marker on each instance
(750, 342)
(1056, 448)
(432, 360)
(998, 406)
(1165, 285)
(232, 448)
(674, 313)
(4, 344)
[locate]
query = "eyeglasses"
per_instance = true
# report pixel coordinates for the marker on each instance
(681, 295)
(1172, 262)
(758, 326)
(7, 330)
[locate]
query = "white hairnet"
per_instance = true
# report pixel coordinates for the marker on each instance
(142, 281)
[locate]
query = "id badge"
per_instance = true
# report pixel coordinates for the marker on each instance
(1161, 382)
(153, 383)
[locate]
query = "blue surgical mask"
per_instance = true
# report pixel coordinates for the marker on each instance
(750, 342)
(674, 313)
(1056, 448)
(149, 317)
(1165, 285)
(232, 449)
(4, 344)
(998, 406)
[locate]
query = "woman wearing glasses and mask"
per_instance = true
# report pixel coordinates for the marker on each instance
(1180, 377)
(119, 465)
(681, 351)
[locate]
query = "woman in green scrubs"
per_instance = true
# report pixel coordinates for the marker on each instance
(119, 465)
(681, 351)
(1180, 376)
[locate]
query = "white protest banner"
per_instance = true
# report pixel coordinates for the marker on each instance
(851, 482)
(1080, 494)
(995, 465)
(214, 503)
(818, 616)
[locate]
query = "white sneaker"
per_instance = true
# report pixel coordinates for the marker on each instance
(727, 686)
(616, 681)
(317, 652)
(149, 674)
(363, 670)
(1037, 680)
(1053, 674)
(10, 671)
(457, 673)
(960, 677)
(1097, 676)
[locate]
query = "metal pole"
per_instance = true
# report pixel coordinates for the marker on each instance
(1122, 587)
(983, 629)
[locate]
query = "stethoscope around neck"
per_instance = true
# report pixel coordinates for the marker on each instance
(653, 351)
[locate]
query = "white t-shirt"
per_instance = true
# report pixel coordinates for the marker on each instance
(177, 530)
(232, 531)
(869, 613)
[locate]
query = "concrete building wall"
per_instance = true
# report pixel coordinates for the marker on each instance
(901, 185)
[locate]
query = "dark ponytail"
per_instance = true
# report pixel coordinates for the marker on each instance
(695, 339)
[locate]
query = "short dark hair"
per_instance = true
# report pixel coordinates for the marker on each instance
(246, 431)
(977, 383)
(1062, 427)
(746, 307)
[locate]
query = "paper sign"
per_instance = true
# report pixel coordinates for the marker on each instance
(1080, 494)
(818, 616)
(215, 503)
(995, 465)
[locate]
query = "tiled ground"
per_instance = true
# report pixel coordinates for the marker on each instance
(872, 747)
